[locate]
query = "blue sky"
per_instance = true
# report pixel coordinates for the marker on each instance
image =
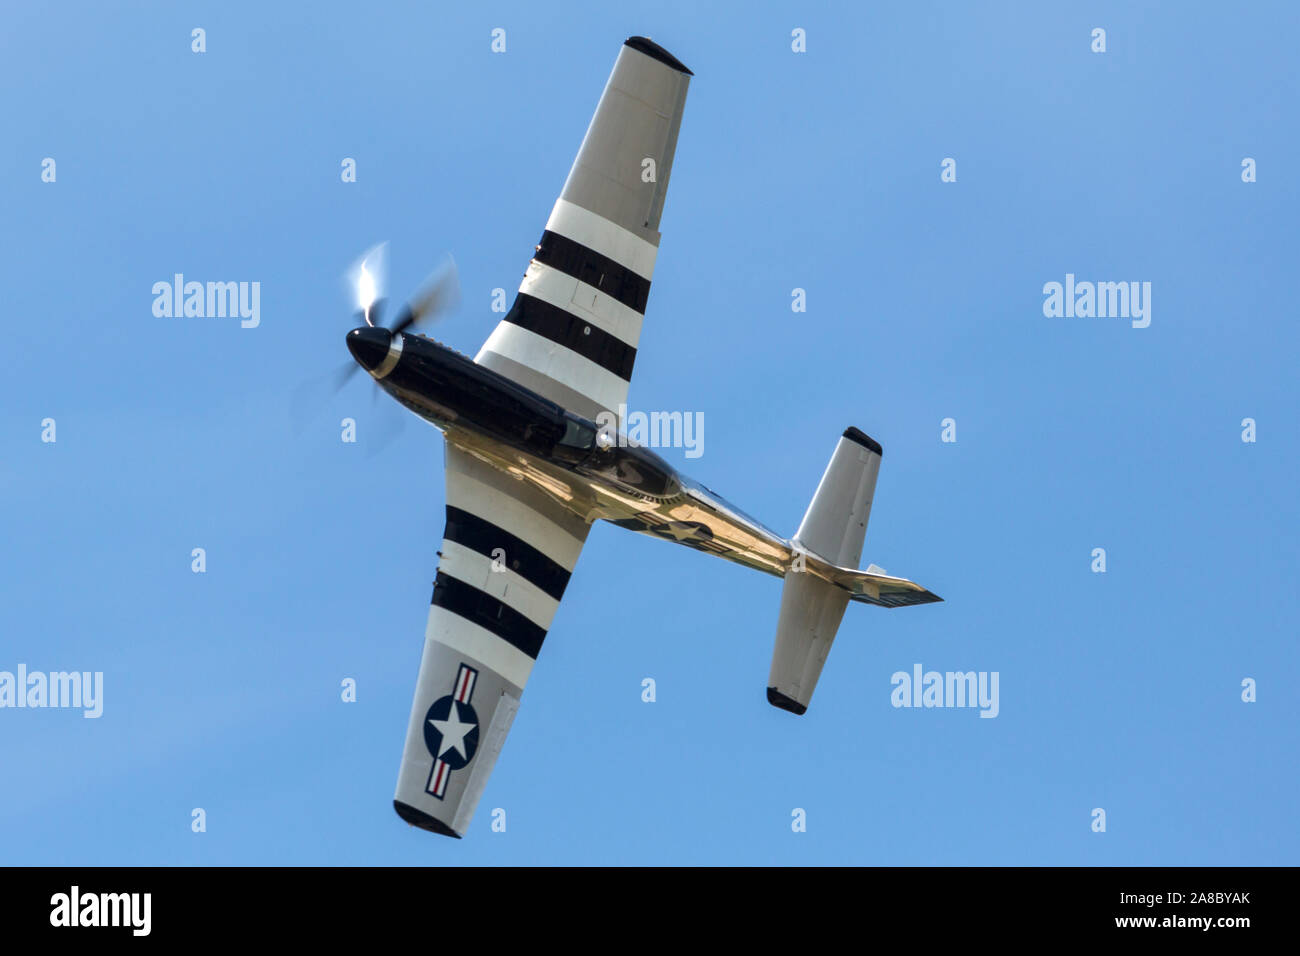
(819, 171)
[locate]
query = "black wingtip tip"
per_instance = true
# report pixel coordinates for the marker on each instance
(418, 818)
(862, 438)
(651, 49)
(778, 699)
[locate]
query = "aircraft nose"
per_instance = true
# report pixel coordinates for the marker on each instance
(369, 346)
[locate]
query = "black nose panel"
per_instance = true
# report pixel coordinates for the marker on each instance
(369, 346)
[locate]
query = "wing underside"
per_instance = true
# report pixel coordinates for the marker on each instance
(505, 560)
(573, 331)
(571, 336)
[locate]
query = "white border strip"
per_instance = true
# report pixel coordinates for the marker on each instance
(594, 307)
(558, 362)
(510, 514)
(604, 236)
(479, 644)
(506, 586)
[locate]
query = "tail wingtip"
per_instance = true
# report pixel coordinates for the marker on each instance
(778, 699)
(863, 439)
(655, 51)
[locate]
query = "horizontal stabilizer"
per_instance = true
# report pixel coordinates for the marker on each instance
(835, 523)
(875, 587)
(811, 609)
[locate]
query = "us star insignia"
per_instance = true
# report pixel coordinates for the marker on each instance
(451, 731)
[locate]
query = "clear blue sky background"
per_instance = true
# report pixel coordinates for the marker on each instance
(822, 171)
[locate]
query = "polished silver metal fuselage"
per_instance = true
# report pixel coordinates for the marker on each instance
(531, 438)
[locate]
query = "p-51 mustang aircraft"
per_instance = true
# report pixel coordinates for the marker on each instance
(529, 471)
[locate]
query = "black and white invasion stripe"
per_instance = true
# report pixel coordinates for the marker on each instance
(507, 553)
(573, 330)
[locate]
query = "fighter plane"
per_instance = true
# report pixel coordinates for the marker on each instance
(529, 471)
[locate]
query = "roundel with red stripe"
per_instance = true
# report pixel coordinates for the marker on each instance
(451, 731)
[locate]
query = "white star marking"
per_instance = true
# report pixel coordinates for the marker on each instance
(453, 732)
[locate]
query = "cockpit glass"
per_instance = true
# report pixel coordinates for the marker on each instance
(578, 434)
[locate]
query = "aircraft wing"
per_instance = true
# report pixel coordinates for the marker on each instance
(573, 330)
(506, 556)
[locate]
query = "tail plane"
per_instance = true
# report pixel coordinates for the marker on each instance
(823, 578)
